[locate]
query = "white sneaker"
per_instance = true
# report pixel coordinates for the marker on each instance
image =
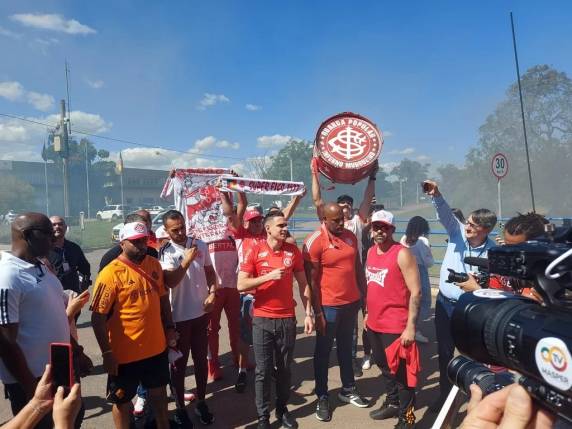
(420, 338)
(139, 407)
(366, 362)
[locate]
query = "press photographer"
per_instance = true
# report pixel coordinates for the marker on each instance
(469, 239)
(527, 336)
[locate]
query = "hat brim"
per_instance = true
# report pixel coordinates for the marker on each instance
(383, 222)
(135, 237)
(249, 218)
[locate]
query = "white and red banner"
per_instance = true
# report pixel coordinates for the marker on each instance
(261, 186)
(196, 196)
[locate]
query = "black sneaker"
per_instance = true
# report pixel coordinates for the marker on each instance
(403, 424)
(351, 396)
(240, 384)
(263, 423)
(182, 419)
(386, 411)
(358, 371)
(202, 411)
(286, 420)
(323, 410)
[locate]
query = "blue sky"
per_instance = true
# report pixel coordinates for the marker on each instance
(238, 78)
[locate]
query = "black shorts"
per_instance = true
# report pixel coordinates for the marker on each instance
(152, 372)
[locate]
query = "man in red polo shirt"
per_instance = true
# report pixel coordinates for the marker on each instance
(332, 261)
(268, 271)
(393, 299)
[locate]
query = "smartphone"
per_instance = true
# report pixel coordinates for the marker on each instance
(426, 186)
(62, 366)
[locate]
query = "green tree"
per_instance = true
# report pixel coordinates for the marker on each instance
(547, 96)
(15, 194)
(412, 173)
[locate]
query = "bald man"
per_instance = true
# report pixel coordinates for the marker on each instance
(68, 259)
(334, 272)
(32, 311)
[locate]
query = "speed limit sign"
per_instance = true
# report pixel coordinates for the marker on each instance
(499, 166)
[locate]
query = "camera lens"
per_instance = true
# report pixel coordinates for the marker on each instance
(463, 372)
(455, 277)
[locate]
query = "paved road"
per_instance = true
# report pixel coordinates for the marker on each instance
(233, 410)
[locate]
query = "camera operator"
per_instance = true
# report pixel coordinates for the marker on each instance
(469, 239)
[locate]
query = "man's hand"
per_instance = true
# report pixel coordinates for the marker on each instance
(172, 337)
(321, 324)
(276, 274)
(431, 188)
(407, 336)
(308, 325)
(208, 305)
(189, 256)
(76, 303)
(42, 398)
(470, 285)
(67, 407)
(365, 322)
(509, 408)
(110, 363)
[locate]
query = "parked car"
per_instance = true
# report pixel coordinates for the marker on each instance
(155, 210)
(112, 212)
(156, 222)
(115, 232)
(10, 216)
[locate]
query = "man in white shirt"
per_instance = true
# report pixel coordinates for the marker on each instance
(187, 264)
(32, 310)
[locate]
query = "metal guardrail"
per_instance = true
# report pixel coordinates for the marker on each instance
(294, 228)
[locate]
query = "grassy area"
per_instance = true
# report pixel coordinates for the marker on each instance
(97, 234)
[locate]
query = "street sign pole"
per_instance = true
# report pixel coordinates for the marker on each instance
(499, 198)
(499, 168)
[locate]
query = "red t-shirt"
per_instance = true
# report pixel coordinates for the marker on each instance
(273, 299)
(245, 240)
(336, 256)
(387, 293)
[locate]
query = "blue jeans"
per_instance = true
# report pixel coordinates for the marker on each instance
(340, 323)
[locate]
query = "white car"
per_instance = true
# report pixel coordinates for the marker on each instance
(10, 216)
(112, 212)
(155, 210)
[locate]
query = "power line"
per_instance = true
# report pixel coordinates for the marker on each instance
(129, 142)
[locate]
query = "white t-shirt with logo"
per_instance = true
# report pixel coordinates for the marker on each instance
(355, 225)
(188, 297)
(224, 257)
(33, 297)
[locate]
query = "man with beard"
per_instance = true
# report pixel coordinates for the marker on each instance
(393, 300)
(132, 323)
(32, 311)
(268, 271)
(334, 272)
(68, 259)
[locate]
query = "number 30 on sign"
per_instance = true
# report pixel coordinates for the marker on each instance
(499, 166)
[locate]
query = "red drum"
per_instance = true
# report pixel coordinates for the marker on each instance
(346, 146)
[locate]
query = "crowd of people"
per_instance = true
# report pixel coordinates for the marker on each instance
(158, 300)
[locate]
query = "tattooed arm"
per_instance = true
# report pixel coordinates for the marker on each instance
(408, 266)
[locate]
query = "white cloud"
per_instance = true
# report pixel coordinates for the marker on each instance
(161, 159)
(423, 158)
(406, 151)
(95, 84)
(43, 102)
(22, 141)
(386, 134)
(211, 141)
(388, 166)
(46, 42)
(12, 91)
(252, 107)
(52, 22)
(9, 33)
(268, 142)
(209, 100)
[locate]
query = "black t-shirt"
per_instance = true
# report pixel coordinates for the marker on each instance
(69, 261)
(115, 251)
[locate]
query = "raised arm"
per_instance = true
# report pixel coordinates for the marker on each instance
(316, 192)
(369, 193)
(408, 266)
(291, 207)
(446, 217)
(227, 209)
(240, 207)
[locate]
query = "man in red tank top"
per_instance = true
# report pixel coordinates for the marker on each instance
(393, 298)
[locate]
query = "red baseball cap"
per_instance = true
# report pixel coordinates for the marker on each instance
(251, 214)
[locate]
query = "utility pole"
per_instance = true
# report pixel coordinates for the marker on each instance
(87, 180)
(61, 145)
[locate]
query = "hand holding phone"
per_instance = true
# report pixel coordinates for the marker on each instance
(62, 366)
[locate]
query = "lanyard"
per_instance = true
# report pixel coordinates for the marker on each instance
(483, 250)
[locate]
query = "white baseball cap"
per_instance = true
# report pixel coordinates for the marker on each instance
(383, 216)
(133, 231)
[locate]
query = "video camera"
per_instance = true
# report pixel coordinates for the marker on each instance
(482, 276)
(535, 339)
